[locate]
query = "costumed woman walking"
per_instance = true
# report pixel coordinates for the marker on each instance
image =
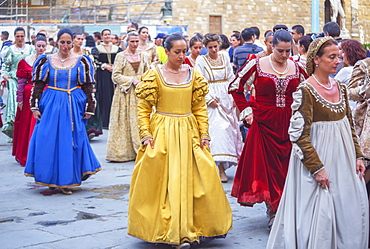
(104, 55)
(263, 166)
(176, 196)
(226, 144)
(59, 153)
(13, 55)
(94, 127)
(24, 121)
(123, 138)
(324, 203)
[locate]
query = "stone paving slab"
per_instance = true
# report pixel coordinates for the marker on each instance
(95, 215)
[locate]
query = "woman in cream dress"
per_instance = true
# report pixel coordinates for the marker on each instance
(123, 137)
(226, 143)
(146, 47)
(324, 203)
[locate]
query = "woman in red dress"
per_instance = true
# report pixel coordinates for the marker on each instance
(195, 49)
(24, 121)
(263, 165)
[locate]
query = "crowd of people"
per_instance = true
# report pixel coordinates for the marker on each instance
(290, 112)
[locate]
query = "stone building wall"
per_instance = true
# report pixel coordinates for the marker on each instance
(236, 15)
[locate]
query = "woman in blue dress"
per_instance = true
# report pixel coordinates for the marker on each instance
(60, 155)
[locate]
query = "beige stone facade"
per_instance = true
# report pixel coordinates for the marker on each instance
(236, 15)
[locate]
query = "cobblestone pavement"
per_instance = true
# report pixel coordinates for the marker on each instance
(95, 215)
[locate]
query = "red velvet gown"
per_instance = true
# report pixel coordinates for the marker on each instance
(263, 166)
(187, 61)
(24, 120)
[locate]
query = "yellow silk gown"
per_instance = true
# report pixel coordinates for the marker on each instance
(175, 194)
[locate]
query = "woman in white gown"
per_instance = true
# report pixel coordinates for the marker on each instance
(324, 203)
(226, 144)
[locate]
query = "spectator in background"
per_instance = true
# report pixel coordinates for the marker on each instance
(236, 40)
(241, 53)
(332, 29)
(279, 27)
(97, 38)
(303, 44)
(297, 32)
(115, 40)
(257, 34)
(158, 40)
(225, 44)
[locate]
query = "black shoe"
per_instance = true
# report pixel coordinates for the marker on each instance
(2, 106)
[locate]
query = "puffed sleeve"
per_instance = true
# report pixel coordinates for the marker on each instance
(200, 65)
(147, 92)
(95, 53)
(23, 74)
(300, 130)
(40, 77)
(199, 107)
(358, 86)
(239, 86)
(302, 72)
(118, 76)
(87, 82)
(7, 63)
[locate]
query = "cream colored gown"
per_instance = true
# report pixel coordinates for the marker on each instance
(123, 138)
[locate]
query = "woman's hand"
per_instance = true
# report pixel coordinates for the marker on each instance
(135, 82)
(37, 115)
(20, 105)
(322, 179)
(87, 116)
(204, 142)
(360, 168)
(213, 104)
(149, 141)
(249, 119)
(108, 67)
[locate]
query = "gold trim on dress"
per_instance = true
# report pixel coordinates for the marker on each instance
(174, 114)
(65, 186)
(217, 81)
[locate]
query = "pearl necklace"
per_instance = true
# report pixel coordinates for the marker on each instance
(63, 60)
(318, 82)
(179, 71)
(214, 62)
(276, 71)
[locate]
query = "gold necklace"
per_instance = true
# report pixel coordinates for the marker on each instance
(179, 71)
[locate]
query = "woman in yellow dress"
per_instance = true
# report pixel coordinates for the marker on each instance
(123, 138)
(176, 196)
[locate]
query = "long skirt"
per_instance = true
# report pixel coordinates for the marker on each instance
(60, 154)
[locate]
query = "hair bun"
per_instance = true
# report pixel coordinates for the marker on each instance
(40, 34)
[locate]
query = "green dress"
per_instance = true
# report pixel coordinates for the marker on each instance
(9, 68)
